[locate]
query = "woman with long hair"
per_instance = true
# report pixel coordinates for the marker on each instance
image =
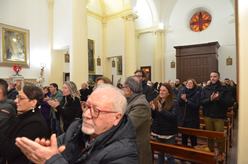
(164, 124)
(70, 108)
(189, 102)
(29, 123)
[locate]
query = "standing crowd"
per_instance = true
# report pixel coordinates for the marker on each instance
(106, 124)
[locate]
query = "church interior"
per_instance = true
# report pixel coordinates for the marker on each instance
(78, 40)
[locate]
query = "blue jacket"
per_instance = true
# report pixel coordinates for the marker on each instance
(165, 122)
(189, 111)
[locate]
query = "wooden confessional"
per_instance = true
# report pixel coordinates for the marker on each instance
(196, 61)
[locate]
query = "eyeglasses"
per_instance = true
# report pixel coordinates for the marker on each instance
(94, 111)
(138, 76)
(189, 83)
(19, 98)
(123, 87)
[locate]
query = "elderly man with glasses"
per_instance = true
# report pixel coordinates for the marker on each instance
(104, 135)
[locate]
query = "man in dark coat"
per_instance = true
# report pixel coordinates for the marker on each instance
(215, 99)
(147, 90)
(138, 109)
(231, 88)
(12, 93)
(105, 135)
(172, 84)
(178, 86)
(84, 91)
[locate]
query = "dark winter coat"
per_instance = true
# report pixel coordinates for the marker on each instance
(84, 94)
(175, 91)
(147, 90)
(7, 112)
(68, 109)
(189, 111)
(215, 108)
(117, 145)
(29, 124)
(165, 122)
(12, 93)
(45, 108)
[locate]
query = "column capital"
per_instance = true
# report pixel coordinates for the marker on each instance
(130, 16)
(50, 2)
(104, 22)
(158, 31)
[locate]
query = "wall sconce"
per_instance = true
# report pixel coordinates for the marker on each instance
(173, 64)
(98, 61)
(229, 61)
(113, 63)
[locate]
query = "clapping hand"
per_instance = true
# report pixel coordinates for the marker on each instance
(214, 96)
(152, 105)
(183, 97)
(53, 103)
(39, 151)
(159, 106)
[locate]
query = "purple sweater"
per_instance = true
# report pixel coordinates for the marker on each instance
(45, 108)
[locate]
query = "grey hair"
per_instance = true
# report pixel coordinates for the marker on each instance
(134, 84)
(85, 82)
(73, 89)
(120, 102)
(12, 83)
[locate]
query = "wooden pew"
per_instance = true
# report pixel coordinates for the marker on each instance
(185, 153)
(208, 134)
(229, 115)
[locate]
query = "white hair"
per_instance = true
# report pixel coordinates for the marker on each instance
(119, 100)
(85, 82)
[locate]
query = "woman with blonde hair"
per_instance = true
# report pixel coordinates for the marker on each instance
(164, 124)
(70, 108)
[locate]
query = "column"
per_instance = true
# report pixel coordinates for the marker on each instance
(56, 65)
(107, 69)
(137, 49)
(79, 44)
(157, 56)
(130, 53)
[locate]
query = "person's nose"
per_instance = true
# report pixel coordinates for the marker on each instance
(87, 114)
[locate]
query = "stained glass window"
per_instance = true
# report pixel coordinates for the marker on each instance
(200, 21)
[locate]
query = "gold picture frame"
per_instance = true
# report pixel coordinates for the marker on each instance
(14, 46)
(67, 57)
(119, 65)
(98, 61)
(173, 64)
(91, 56)
(229, 61)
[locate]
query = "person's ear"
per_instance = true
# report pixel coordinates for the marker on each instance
(118, 117)
(34, 102)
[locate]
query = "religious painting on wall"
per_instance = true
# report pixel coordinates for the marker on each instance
(200, 21)
(14, 46)
(91, 56)
(147, 70)
(119, 65)
(67, 57)
(229, 61)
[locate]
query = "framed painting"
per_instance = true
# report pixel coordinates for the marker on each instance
(119, 65)
(14, 46)
(147, 70)
(67, 57)
(91, 56)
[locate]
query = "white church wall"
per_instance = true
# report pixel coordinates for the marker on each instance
(31, 15)
(144, 13)
(146, 51)
(95, 33)
(221, 29)
(62, 24)
(115, 33)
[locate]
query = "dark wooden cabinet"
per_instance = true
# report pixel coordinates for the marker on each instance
(196, 61)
